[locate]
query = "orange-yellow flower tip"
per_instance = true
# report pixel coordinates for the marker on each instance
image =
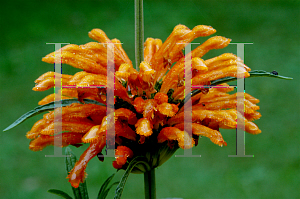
(60, 140)
(116, 166)
(167, 109)
(123, 72)
(161, 98)
(74, 180)
(92, 135)
(77, 174)
(122, 153)
(203, 31)
(198, 64)
(250, 127)
(139, 104)
(173, 133)
(144, 127)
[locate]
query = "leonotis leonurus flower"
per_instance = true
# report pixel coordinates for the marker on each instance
(149, 119)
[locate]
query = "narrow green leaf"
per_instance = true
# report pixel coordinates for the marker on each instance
(81, 191)
(105, 192)
(254, 73)
(48, 107)
(137, 160)
(262, 73)
(104, 186)
(222, 80)
(60, 193)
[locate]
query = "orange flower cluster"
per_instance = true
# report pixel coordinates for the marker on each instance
(147, 111)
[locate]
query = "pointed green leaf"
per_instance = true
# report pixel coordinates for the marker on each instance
(107, 190)
(254, 73)
(262, 73)
(81, 191)
(102, 191)
(137, 160)
(60, 193)
(48, 107)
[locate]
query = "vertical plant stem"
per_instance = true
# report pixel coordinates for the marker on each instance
(149, 183)
(139, 32)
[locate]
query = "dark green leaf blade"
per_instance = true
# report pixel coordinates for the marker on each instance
(48, 107)
(137, 160)
(60, 193)
(107, 190)
(262, 73)
(102, 191)
(254, 73)
(81, 191)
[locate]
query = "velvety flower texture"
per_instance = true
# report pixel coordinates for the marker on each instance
(149, 119)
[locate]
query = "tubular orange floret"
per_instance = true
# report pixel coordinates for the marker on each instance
(92, 135)
(52, 74)
(76, 127)
(92, 80)
(120, 55)
(77, 77)
(146, 72)
(123, 113)
(149, 108)
(224, 89)
(65, 94)
(252, 128)
(123, 72)
(221, 58)
(76, 110)
(223, 117)
(77, 174)
(198, 31)
(252, 116)
(47, 83)
(37, 127)
(161, 98)
(251, 98)
(198, 64)
(122, 153)
(99, 35)
(201, 79)
(167, 109)
(173, 133)
(201, 130)
(121, 92)
(139, 104)
(126, 132)
(215, 42)
(60, 140)
(78, 61)
(172, 77)
(116, 166)
(144, 127)
(51, 98)
(149, 49)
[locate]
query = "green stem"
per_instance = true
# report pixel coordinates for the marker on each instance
(149, 182)
(139, 32)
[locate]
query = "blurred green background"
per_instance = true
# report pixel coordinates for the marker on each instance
(272, 26)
